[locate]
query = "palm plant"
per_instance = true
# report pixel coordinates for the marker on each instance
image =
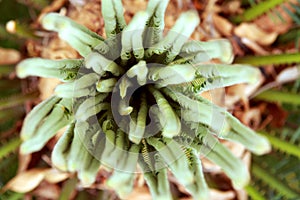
(134, 98)
(276, 175)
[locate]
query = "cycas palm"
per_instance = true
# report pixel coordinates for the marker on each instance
(134, 97)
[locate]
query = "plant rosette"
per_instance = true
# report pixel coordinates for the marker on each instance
(134, 99)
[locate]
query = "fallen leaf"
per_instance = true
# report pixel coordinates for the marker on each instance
(218, 195)
(255, 33)
(26, 181)
(56, 176)
(24, 160)
(251, 117)
(140, 193)
(232, 7)
(241, 92)
(236, 149)
(54, 6)
(88, 15)
(47, 86)
(222, 25)
(241, 195)
(237, 47)
(254, 46)
(47, 191)
(275, 111)
(58, 49)
(9, 56)
(277, 20)
(78, 3)
(288, 75)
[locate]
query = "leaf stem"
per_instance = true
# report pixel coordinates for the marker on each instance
(9, 147)
(16, 100)
(253, 193)
(285, 58)
(272, 181)
(68, 188)
(282, 145)
(279, 96)
(256, 11)
(5, 70)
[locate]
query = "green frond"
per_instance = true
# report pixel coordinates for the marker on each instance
(148, 162)
(138, 132)
(112, 11)
(157, 180)
(257, 10)
(5, 70)
(273, 182)
(279, 96)
(58, 118)
(78, 36)
(132, 37)
(199, 188)
(134, 99)
(65, 70)
(232, 166)
(277, 59)
(176, 37)
(170, 121)
(8, 169)
(9, 146)
(212, 76)
(156, 11)
(281, 145)
(16, 100)
(205, 51)
(293, 15)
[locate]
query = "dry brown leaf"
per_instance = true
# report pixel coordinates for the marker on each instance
(78, 3)
(206, 95)
(88, 15)
(241, 92)
(246, 158)
(221, 195)
(9, 56)
(132, 7)
(47, 86)
(275, 111)
(172, 14)
(237, 48)
(250, 117)
(217, 96)
(26, 181)
(222, 25)
(24, 161)
(236, 149)
(241, 195)
(47, 191)
(271, 22)
(255, 33)
(232, 7)
(58, 49)
(33, 48)
(288, 75)
(209, 166)
(56, 176)
(186, 198)
(254, 46)
(54, 6)
(140, 193)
